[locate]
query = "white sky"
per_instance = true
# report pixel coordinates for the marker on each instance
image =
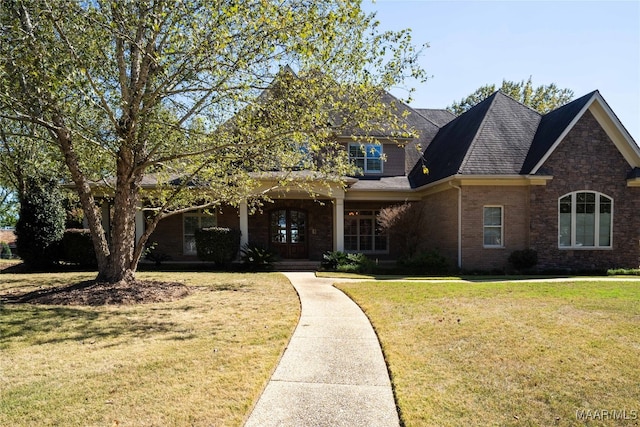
(580, 45)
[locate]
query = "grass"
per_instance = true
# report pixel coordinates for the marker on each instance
(507, 353)
(199, 361)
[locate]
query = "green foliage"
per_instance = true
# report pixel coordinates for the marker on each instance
(523, 259)
(9, 208)
(77, 248)
(426, 262)
(331, 260)
(152, 254)
(206, 96)
(257, 258)
(41, 224)
(623, 272)
(5, 251)
(347, 262)
(217, 244)
(542, 98)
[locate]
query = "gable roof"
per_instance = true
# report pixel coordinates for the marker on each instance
(552, 126)
(492, 138)
(502, 137)
(556, 124)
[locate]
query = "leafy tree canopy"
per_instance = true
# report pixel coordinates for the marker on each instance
(173, 106)
(542, 98)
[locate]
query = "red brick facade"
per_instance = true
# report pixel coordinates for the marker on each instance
(586, 159)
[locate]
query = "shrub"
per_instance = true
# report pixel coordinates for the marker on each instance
(217, 244)
(5, 251)
(426, 262)
(77, 247)
(523, 259)
(623, 272)
(347, 263)
(156, 256)
(41, 224)
(257, 258)
(331, 260)
(403, 223)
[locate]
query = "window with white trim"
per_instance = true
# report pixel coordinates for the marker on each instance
(493, 231)
(362, 233)
(585, 220)
(191, 222)
(367, 157)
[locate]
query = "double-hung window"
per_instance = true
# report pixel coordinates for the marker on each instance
(585, 220)
(493, 232)
(367, 157)
(191, 222)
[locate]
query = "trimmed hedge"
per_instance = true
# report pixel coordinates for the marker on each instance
(217, 244)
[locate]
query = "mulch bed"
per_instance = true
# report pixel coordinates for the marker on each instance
(97, 293)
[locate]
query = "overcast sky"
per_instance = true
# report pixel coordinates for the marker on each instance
(580, 45)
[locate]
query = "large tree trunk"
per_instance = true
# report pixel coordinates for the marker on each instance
(122, 265)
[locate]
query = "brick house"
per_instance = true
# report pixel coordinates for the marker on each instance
(502, 177)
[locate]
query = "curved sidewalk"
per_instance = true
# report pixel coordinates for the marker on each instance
(333, 372)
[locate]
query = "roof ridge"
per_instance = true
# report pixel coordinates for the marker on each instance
(523, 104)
(431, 121)
(467, 155)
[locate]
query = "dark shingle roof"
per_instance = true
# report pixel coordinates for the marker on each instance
(438, 117)
(551, 127)
(491, 138)
(498, 136)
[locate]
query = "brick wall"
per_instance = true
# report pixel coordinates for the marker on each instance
(439, 228)
(586, 160)
(515, 207)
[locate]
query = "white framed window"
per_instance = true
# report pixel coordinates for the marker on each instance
(585, 220)
(362, 233)
(368, 157)
(191, 222)
(493, 230)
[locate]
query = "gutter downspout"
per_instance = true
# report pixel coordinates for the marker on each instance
(459, 223)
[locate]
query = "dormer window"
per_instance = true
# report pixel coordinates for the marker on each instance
(367, 157)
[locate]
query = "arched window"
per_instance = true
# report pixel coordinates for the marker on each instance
(585, 220)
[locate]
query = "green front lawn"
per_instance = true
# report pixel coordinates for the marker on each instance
(509, 353)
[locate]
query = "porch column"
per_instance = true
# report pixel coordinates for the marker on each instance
(139, 224)
(244, 223)
(338, 223)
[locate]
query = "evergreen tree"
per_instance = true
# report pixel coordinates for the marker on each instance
(41, 223)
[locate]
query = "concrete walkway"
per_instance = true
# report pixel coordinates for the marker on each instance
(333, 372)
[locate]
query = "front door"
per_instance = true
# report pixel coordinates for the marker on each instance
(288, 231)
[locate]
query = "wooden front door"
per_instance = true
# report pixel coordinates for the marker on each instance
(288, 233)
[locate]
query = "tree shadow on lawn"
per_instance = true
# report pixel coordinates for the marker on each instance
(56, 324)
